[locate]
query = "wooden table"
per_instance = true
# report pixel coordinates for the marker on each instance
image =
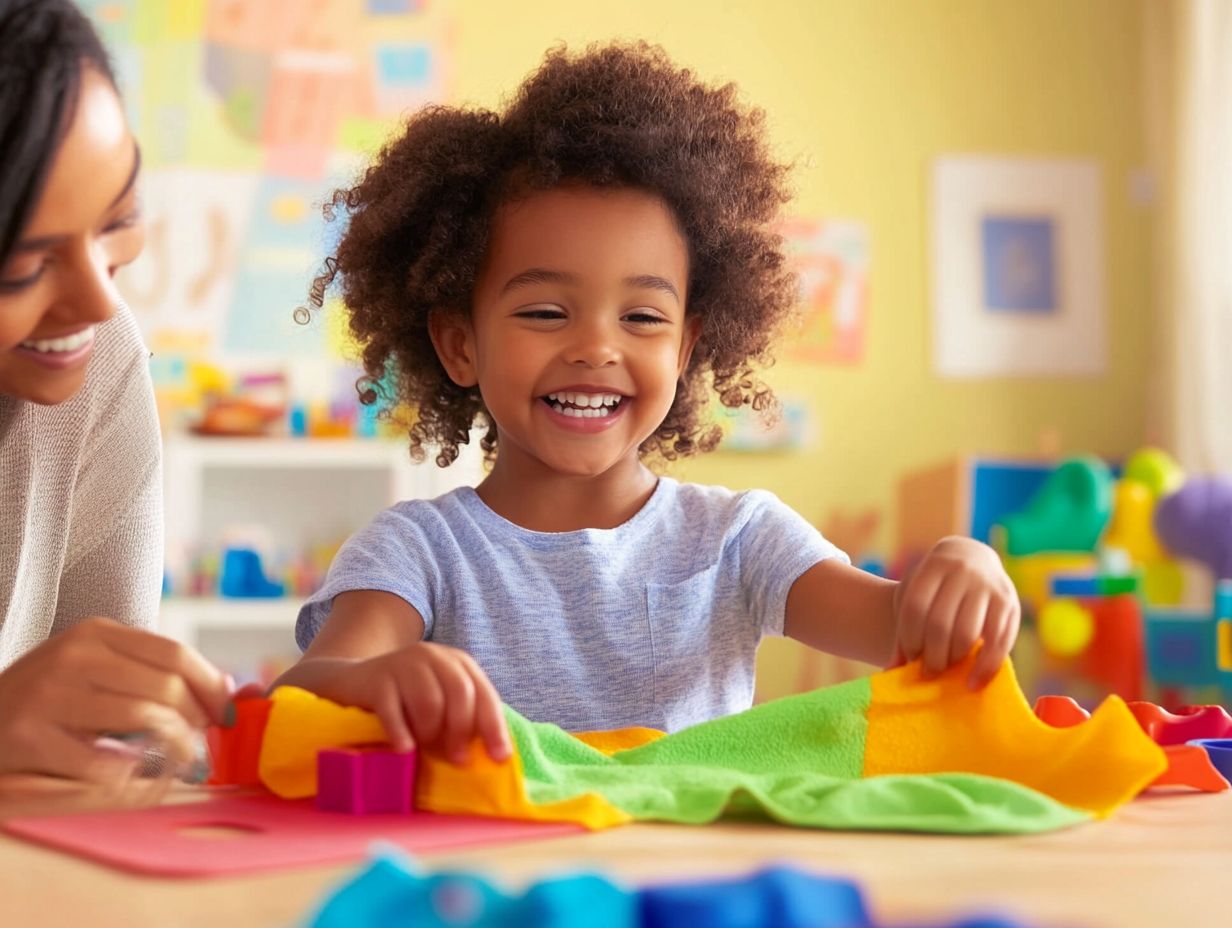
(1162, 860)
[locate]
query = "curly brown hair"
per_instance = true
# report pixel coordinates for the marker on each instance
(616, 115)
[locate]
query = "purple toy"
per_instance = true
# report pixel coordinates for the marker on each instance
(365, 781)
(1196, 522)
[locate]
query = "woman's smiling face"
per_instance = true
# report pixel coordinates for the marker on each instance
(56, 285)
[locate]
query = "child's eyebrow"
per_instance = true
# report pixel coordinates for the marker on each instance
(543, 275)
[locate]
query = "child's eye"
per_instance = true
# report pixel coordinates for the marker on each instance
(541, 313)
(645, 318)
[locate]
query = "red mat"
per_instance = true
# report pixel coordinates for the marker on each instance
(264, 833)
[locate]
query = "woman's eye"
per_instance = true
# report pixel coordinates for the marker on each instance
(16, 284)
(125, 222)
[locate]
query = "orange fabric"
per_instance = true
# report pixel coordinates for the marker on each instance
(939, 725)
(620, 739)
(300, 725)
(482, 786)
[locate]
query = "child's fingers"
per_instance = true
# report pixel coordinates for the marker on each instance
(999, 638)
(390, 710)
(458, 725)
(942, 614)
(970, 622)
(915, 599)
(489, 716)
(423, 701)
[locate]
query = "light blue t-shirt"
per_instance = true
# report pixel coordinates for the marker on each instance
(655, 622)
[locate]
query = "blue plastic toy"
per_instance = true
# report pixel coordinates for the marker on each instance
(243, 577)
(390, 892)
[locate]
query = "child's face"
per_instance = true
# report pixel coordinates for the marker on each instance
(577, 334)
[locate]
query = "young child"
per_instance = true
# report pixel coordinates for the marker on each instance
(578, 273)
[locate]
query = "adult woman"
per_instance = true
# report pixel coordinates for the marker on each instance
(80, 507)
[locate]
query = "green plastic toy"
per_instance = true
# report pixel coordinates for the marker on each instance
(1068, 513)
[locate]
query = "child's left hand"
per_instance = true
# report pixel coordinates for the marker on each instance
(958, 594)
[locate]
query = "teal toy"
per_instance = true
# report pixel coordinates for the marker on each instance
(1068, 513)
(392, 891)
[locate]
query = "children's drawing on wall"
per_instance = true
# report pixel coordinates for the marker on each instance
(1017, 262)
(831, 257)
(249, 114)
(1019, 255)
(746, 430)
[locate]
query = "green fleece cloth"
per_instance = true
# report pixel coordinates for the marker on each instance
(797, 760)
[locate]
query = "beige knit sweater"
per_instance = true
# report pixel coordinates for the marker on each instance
(81, 500)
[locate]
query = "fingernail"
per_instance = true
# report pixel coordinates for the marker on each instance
(198, 772)
(229, 716)
(230, 682)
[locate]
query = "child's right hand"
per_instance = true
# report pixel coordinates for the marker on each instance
(430, 694)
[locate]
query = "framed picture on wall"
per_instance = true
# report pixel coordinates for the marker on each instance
(1018, 268)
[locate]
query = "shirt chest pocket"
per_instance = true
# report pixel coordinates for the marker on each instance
(682, 623)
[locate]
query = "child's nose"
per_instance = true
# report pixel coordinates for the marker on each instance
(593, 346)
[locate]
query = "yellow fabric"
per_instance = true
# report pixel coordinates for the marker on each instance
(620, 739)
(301, 724)
(939, 725)
(481, 786)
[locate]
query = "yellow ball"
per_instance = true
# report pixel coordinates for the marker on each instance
(1065, 627)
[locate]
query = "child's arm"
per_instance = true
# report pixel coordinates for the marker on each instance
(957, 595)
(370, 654)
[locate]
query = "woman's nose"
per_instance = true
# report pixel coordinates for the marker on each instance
(91, 294)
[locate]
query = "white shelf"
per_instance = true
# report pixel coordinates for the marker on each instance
(220, 612)
(289, 453)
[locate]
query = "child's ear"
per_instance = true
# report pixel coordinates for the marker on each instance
(454, 340)
(692, 332)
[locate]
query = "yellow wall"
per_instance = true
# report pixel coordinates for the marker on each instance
(869, 91)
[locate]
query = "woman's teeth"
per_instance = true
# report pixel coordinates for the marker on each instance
(584, 405)
(61, 345)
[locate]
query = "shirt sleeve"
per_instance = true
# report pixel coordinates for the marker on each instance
(114, 556)
(390, 554)
(776, 545)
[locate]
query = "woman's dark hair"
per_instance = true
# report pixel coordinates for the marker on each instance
(620, 115)
(44, 46)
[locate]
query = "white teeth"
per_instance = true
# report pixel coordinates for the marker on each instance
(68, 343)
(586, 400)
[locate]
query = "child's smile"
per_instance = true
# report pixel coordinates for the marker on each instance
(578, 331)
(585, 407)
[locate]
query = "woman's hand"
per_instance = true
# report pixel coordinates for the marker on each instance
(430, 694)
(100, 679)
(957, 595)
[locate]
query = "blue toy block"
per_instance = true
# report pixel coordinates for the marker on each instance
(584, 899)
(391, 892)
(777, 897)
(1180, 647)
(242, 576)
(1075, 585)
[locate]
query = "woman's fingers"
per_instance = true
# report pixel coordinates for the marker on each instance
(210, 687)
(138, 680)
